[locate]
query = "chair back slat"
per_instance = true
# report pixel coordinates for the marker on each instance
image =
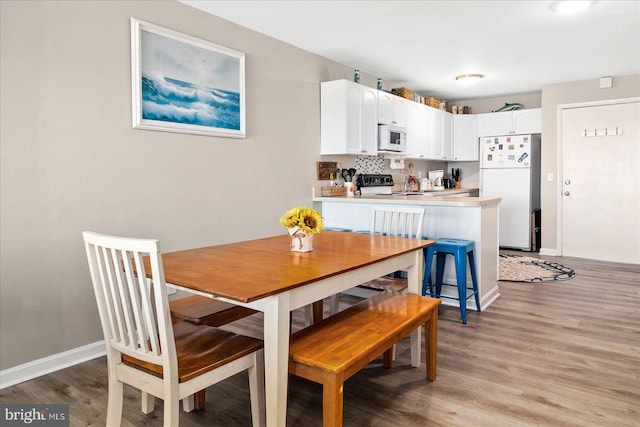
(131, 306)
(126, 297)
(398, 221)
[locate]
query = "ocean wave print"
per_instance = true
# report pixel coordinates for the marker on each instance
(171, 100)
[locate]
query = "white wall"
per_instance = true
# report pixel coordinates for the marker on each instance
(72, 162)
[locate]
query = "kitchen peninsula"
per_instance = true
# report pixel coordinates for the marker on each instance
(452, 216)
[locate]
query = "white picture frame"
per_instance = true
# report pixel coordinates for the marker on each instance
(185, 84)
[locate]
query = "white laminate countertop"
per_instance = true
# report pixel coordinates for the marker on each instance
(440, 198)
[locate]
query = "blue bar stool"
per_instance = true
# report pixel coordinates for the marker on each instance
(460, 249)
(344, 230)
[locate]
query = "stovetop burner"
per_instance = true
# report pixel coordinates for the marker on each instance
(374, 180)
(374, 183)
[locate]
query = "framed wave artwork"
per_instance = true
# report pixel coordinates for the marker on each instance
(185, 84)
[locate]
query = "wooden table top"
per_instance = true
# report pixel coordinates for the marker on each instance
(254, 269)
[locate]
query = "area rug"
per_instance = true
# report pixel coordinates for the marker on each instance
(518, 268)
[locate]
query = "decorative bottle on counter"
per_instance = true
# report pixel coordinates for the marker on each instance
(379, 86)
(356, 76)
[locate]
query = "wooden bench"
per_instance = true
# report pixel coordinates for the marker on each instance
(332, 350)
(206, 311)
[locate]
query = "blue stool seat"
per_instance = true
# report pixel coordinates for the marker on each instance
(461, 250)
(344, 230)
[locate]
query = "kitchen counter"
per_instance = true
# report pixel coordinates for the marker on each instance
(451, 215)
(453, 197)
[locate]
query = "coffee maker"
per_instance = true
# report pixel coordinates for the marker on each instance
(437, 177)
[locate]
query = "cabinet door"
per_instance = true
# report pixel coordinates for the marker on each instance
(385, 108)
(491, 124)
(417, 128)
(447, 135)
(527, 121)
(392, 110)
(369, 121)
(441, 135)
(400, 111)
(353, 119)
(333, 117)
(465, 138)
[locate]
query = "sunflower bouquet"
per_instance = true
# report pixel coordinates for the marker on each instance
(302, 218)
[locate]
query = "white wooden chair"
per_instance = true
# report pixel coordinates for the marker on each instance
(144, 350)
(394, 221)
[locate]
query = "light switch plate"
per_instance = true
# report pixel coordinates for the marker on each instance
(606, 82)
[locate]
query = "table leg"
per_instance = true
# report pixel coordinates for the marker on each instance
(276, 358)
(414, 280)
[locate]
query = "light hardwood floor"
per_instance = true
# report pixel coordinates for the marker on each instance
(554, 354)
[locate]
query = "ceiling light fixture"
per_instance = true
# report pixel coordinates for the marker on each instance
(570, 6)
(469, 79)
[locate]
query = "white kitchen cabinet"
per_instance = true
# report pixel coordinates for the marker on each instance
(510, 122)
(348, 118)
(465, 138)
(392, 109)
(527, 121)
(441, 135)
(419, 124)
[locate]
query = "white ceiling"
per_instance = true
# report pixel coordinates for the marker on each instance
(518, 45)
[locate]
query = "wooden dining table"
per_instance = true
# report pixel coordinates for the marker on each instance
(264, 275)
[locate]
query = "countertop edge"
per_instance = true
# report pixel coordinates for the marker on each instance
(416, 200)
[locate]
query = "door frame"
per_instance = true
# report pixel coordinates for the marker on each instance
(560, 158)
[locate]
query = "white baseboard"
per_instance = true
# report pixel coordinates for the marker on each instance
(46, 365)
(548, 252)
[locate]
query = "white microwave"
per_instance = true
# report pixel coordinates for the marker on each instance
(392, 138)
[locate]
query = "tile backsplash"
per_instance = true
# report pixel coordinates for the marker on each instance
(369, 164)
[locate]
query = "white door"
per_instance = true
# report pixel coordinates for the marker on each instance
(601, 182)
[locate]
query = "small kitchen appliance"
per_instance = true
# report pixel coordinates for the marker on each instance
(439, 173)
(436, 176)
(392, 138)
(374, 183)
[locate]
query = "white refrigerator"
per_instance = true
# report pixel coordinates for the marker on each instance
(510, 169)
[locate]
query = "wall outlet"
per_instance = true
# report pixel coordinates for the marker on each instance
(550, 177)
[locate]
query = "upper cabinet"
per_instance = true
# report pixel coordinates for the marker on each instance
(350, 114)
(392, 109)
(348, 118)
(441, 133)
(465, 138)
(527, 121)
(419, 126)
(510, 122)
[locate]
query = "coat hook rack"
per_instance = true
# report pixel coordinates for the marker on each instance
(601, 132)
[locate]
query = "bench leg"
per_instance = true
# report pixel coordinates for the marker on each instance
(431, 345)
(318, 311)
(332, 400)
